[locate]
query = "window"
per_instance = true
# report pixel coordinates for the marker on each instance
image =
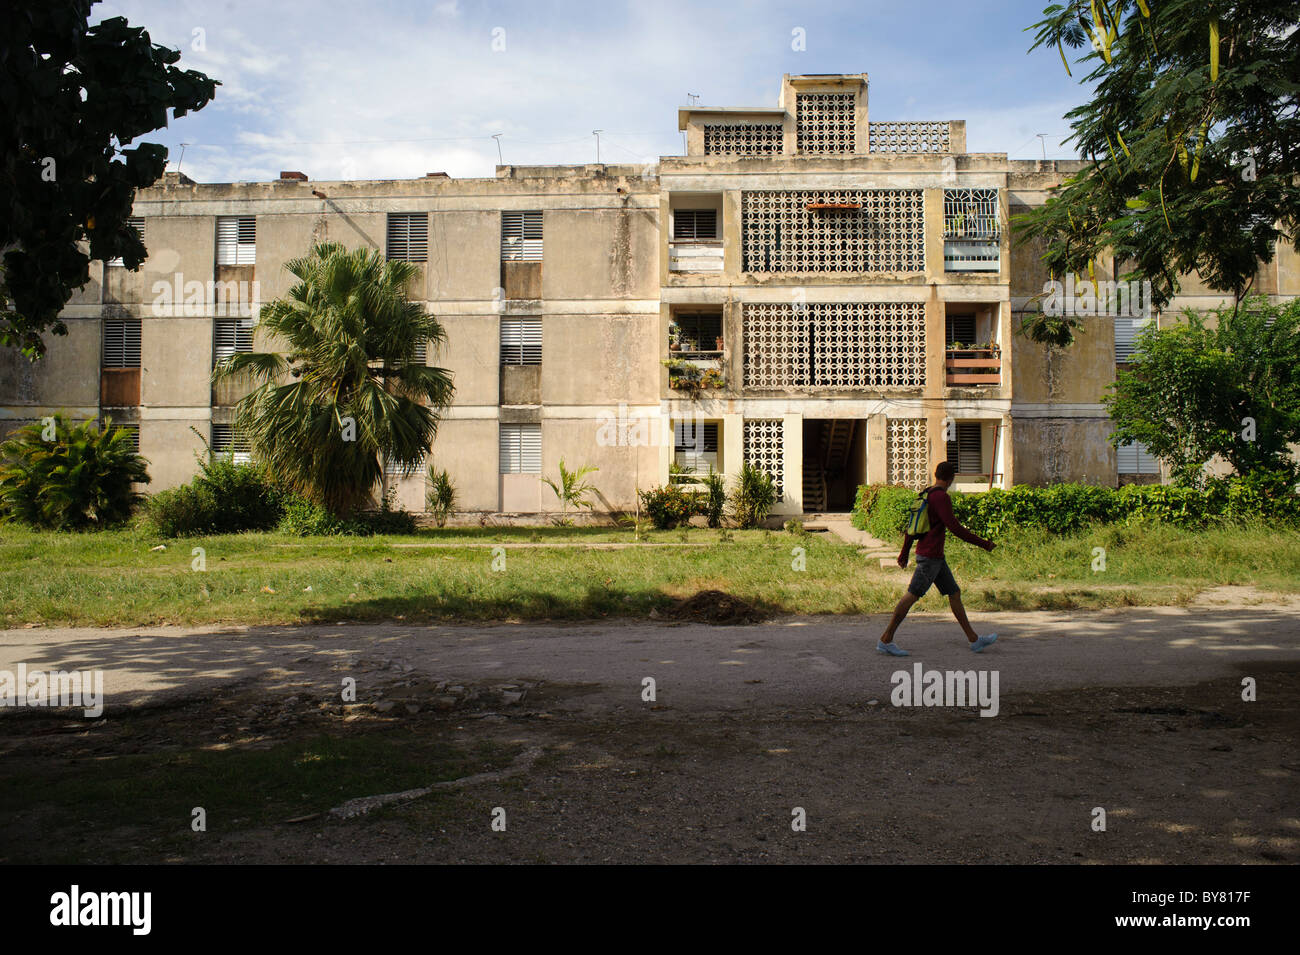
(121, 343)
(226, 439)
(695, 446)
(960, 330)
(698, 331)
(408, 236)
(1126, 334)
(972, 230)
(231, 336)
(132, 432)
(521, 341)
(236, 240)
(1134, 458)
(136, 223)
(966, 450)
(695, 224)
(421, 353)
(521, 237)
(521, 449)
(394, 469)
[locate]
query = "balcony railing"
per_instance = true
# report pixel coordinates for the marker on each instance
(695, 255)
(973, 366)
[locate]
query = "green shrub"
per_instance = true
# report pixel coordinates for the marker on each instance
(79, 479)
(715, 497)
(440, 499)
(753, 497)
(1265, 496)
(304, 518)
(223, 498)
(669, 505)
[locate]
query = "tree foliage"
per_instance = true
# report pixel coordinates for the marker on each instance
(71, 95)
(348, 394)
(1194, 391)
(66, 476)
(1191, 136)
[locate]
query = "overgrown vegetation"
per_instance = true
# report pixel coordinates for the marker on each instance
(440, 498)
(753, 497)
(64, 476)
(1267, 497)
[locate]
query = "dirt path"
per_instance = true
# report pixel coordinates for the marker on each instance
(1138, 712)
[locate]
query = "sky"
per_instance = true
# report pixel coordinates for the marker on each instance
(394, 89)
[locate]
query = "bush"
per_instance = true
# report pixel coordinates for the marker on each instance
(303, 518)
(440, 499)
(715, 497)
(753, 498)
(81, 478)
(223, 498)
(1268, 496)
(669, 505)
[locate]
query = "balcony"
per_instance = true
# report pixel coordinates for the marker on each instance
(695, 255)
(695, 372)
(966, 367)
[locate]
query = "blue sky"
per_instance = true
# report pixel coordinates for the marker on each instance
(395, 89)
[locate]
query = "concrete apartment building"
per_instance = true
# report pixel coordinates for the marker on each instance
(786, 293)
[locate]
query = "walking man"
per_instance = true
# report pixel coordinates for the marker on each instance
(931, 568)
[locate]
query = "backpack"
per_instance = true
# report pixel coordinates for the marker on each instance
(918, 515)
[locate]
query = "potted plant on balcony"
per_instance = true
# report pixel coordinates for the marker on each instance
(674, 337)
(717, 342)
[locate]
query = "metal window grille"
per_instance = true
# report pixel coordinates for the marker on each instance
(121, 343)
(521, 341)
(1127, 331)
(521, 448)
(521, 237)
(972, 230)
(408, 236)
(236, 240)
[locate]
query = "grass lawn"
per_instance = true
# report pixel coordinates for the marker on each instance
(115, 579)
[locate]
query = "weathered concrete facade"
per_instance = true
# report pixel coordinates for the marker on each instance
(834, 299)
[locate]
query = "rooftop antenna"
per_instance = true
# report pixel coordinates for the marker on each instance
(596, 133)
(1042, 141)
(692, 99)
(497, 137)
(182, 159)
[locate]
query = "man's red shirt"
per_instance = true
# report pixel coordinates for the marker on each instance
(930, 544)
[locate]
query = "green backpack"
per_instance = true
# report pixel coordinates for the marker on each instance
(918, 515)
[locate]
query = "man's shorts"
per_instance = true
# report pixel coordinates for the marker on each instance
(933, 570)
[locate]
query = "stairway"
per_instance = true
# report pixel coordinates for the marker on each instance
(814, 487)
(836, 439)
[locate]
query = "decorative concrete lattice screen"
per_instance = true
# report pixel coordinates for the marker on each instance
(742, 139)
(852, 345)
(872, 230)
(765, 449)
(826, 122)
(909, 455)
(909, 138)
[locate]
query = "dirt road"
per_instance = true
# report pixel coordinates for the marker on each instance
(751, 730)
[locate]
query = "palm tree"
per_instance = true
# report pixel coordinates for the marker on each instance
(349, 392)
(572, 490)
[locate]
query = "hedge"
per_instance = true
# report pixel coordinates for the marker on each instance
(881, 510)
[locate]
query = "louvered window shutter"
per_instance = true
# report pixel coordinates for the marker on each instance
(136, 223)
(521, 236)
(967, 450)
(695, 224)
(236, 240)
(521, 448)
(121, 343)
(521, 341)
(408, 236)
(231, 336)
